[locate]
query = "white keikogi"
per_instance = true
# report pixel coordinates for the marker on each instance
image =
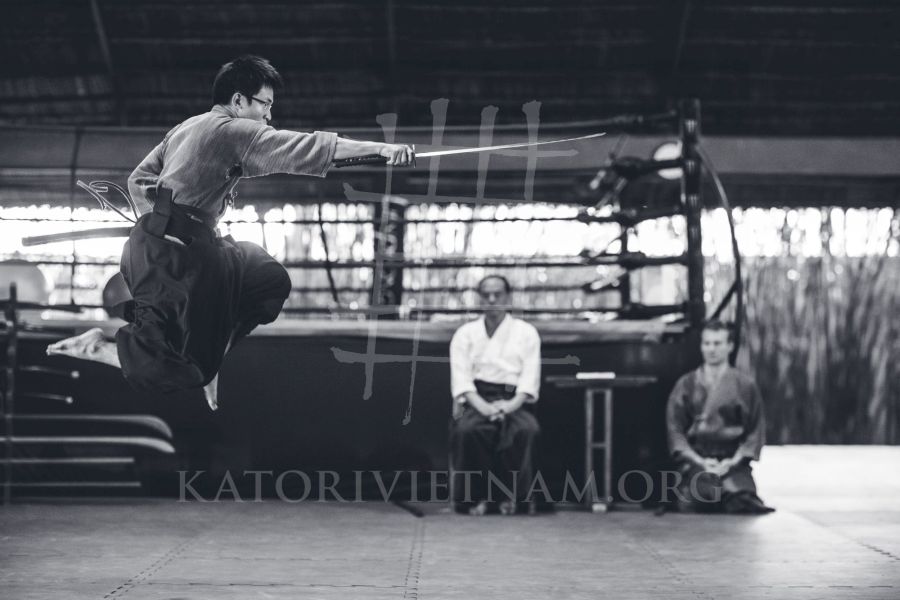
(512, 356)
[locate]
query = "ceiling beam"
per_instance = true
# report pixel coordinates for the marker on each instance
(103, 40)
(851, 8)
(40, 148)
(356, 40)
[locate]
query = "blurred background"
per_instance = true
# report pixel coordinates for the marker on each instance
(798, 116)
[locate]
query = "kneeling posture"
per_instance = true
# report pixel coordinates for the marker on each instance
(716, 427)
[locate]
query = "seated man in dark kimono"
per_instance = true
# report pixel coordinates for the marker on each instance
(716, 427)
(195, 293)
(495, 370)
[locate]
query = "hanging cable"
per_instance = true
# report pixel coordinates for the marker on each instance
(738, 284)
(327, 261)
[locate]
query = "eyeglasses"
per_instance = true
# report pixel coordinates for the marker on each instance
(266, 104)
(487, 295)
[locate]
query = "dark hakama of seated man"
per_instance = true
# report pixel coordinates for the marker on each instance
(495, 368)
(716, 427)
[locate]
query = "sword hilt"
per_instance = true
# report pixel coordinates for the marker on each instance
(369, 159)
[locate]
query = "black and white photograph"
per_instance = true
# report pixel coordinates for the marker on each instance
(433, 299)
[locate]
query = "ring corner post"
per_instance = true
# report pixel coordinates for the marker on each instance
(692, 200)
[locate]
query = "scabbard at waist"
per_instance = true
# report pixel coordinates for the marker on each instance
(183, 222)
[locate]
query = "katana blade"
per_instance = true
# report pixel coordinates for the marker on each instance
(374, 159)
(504, 146)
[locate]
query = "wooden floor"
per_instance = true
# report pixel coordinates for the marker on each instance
(836, 535)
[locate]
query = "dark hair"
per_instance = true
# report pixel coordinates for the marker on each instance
(717, 325)
(505, 281)
(245, 74)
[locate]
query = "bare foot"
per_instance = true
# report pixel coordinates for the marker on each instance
(211, 391)
(479, 510)
(90, 345)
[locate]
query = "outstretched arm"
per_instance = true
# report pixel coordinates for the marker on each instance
(399, 155)
(273, 150)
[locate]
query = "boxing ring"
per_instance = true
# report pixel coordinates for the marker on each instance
(342, 387)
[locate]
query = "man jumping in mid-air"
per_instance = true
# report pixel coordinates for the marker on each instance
(196, 294)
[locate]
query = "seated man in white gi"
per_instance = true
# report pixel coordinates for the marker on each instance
(716, 427)
(495, 370)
